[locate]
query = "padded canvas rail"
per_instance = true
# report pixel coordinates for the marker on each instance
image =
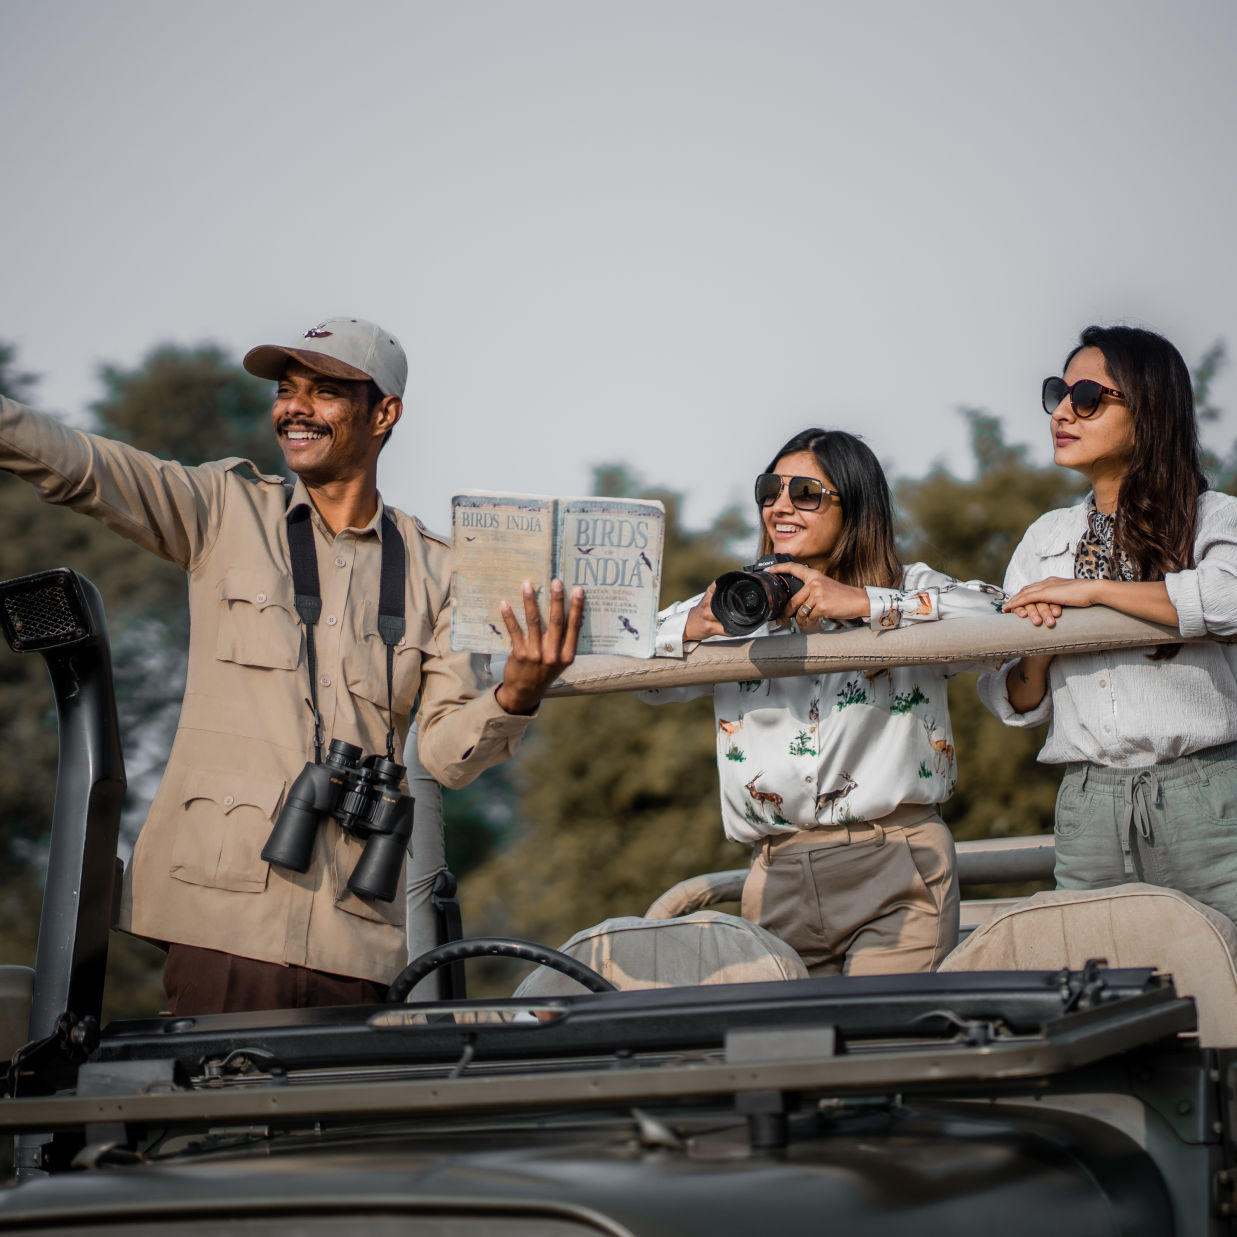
(979, 639)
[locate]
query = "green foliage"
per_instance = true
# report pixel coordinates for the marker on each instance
(15, 383)
(191, 405)
(852, 693)
(1221, 469)
(187, 404)
(970, 528)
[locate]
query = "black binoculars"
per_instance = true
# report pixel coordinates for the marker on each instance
(747, 598)
(364, 796)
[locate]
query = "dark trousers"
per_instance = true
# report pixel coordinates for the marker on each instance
(205, 981)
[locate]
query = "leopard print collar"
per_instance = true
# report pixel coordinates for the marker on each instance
(1095, 557)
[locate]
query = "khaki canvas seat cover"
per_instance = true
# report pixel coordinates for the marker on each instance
(707, 947)
(1128, 925)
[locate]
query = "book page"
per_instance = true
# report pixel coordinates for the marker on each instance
(612, 548)
(499, 541)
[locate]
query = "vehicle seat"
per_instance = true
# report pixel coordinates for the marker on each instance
(706, 947)
(1127, 925)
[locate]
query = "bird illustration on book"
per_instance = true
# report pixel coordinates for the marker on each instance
(625, 624)
(495, 630)
(644, 558)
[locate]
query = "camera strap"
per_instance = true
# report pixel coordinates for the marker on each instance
(308, 596)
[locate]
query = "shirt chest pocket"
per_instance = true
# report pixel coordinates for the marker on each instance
(1056, 558)
(226, 817)
(365, 659)
(258, 625)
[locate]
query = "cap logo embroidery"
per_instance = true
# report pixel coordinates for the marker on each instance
(316, 332)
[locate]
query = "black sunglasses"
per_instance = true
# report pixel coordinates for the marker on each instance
(1084, 395)
(804, 492)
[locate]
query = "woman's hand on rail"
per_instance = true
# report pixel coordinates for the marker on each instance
(1042, 601)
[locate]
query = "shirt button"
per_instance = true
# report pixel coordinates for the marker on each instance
(331, 620)
(341, 562)
(1103, 682)
(325, 680)
(228, 800)
(261, 599)
(1107, 729)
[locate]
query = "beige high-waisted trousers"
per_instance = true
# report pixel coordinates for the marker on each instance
(875, 898)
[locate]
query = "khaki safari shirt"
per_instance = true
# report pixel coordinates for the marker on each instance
(245, 732)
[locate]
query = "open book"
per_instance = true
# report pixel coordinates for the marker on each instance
(610, 546)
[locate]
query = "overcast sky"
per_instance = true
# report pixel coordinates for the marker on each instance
(665, 232)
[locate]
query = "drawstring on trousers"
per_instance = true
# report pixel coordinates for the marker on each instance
(1139, 794)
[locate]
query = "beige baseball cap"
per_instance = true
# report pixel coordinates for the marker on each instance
(349, 348)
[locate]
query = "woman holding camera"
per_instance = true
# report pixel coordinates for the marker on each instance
(1148, 737)
(834, 779)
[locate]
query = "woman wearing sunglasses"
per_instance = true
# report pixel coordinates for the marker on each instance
(1148, 738)
(834, 779)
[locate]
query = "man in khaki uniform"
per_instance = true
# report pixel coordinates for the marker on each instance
(243, 934)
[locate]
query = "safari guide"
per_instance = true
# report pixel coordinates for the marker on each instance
(318, 615)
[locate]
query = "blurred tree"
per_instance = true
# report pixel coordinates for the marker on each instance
(970, 528)
(617, 800)
(189, 404)
(1221, 469)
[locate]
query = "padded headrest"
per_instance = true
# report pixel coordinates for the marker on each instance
(706, 947)
(1127, 925)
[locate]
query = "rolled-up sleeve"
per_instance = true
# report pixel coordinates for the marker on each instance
(1205, 596)
(994, 693)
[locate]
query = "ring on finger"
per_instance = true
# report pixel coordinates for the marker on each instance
(805, 610)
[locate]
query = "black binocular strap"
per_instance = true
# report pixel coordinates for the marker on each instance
(308, 594)
(391, 624)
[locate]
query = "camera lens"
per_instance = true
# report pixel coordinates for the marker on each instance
(747, 601)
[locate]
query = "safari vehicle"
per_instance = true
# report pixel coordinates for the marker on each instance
(1066, 1097)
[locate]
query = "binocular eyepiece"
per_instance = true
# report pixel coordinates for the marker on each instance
(746, 599)
(364, 796)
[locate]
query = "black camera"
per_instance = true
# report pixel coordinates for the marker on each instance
(364, 796)
(751, 596)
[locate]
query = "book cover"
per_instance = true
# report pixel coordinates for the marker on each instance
(611, 547)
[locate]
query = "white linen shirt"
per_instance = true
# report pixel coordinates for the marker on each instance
(809, 751)
(1119, 708)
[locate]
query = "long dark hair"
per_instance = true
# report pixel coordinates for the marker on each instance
(864, 553)
(1158, 500)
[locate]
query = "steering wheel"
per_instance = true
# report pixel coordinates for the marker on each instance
(507, 947)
